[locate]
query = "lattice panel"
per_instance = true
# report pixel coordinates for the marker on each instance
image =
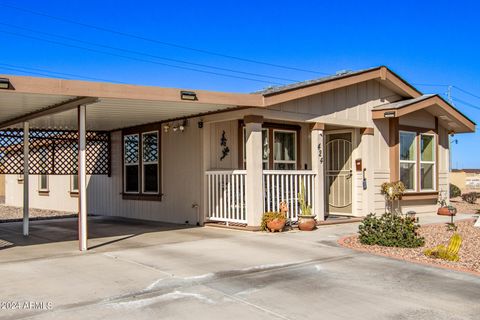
(54, 152)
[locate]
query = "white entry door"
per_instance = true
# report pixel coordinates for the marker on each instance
(338, 172)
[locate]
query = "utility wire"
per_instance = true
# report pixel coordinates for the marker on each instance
(146, 54)
(136, 59)
(43, 72)
(466, 92)
(174, 45)
(466, 103)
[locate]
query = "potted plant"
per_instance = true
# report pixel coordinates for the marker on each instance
(444, 209)
(275, 221)
(306, 220)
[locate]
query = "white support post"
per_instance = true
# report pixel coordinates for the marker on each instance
(254, 194)
(318, 155)
(26, 204)
(82, 179)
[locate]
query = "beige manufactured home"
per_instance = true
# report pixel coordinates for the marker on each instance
(192, 156)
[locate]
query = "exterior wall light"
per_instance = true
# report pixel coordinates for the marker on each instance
(5, 83)
(389, 114)
(183, 125)
(166, 128)
(188, 95)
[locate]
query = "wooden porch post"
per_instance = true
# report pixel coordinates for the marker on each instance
(254, 181)
(82, 179)
(26, 204)
(318, 155)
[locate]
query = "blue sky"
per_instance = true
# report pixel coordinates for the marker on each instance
(425, 42)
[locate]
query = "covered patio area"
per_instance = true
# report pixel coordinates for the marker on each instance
(47, 128)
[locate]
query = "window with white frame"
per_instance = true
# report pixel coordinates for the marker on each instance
(284, 150)
(74, 183)
(150, 183)
(427, 162)
(141, 163)
(131, 162)
(408, 160)
(43, 183)
(418, 161)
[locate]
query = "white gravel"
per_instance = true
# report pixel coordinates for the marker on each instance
(11, 213)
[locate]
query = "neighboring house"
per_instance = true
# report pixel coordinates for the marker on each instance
(466, 179)
(196, 156)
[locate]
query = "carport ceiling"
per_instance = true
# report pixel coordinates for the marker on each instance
(111, 114)
(105, 114)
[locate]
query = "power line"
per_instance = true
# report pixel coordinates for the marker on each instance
(43, 72)
(130, 35)
(137, 59)
(466, 103)
(466, 92)
(146, 54)
(430, 85)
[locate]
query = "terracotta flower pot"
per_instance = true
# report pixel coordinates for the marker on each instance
(276, 225)
(307, 223)
(445, 211)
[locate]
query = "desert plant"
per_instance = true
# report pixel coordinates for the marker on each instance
(442, 198)
(449, 253)
(390, 230)
(470, 197)
(269, 216)
(306, 209)
(393, 190)
(454, 191)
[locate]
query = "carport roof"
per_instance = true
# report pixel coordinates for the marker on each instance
(51, 103)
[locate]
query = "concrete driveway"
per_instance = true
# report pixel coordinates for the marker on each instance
(139, 271)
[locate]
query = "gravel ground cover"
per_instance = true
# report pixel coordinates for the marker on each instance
(464, 207)
(11, 214)
(434, 235)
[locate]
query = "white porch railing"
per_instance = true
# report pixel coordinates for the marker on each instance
(284, 185)
(226, 193)
(226, 196)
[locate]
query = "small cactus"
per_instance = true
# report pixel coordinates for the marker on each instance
(450, 252)
(304, 207)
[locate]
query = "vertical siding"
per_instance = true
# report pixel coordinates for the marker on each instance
(231, 134)
(349, 103)
(182, 179)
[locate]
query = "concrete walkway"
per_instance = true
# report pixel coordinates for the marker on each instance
(139, 271)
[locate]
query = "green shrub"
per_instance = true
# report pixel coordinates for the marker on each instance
(470, 197)
(269, 216)
(455, 191)
(390, 230)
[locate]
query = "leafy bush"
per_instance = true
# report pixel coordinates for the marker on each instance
(269, 216)
(470, 197)
(393, 190)
(449, 253)
(455, 191)
(390, 230)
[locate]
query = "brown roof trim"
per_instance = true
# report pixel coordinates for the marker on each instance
(49, 86)
(425, 103)
(381, 73)
(75, 88)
